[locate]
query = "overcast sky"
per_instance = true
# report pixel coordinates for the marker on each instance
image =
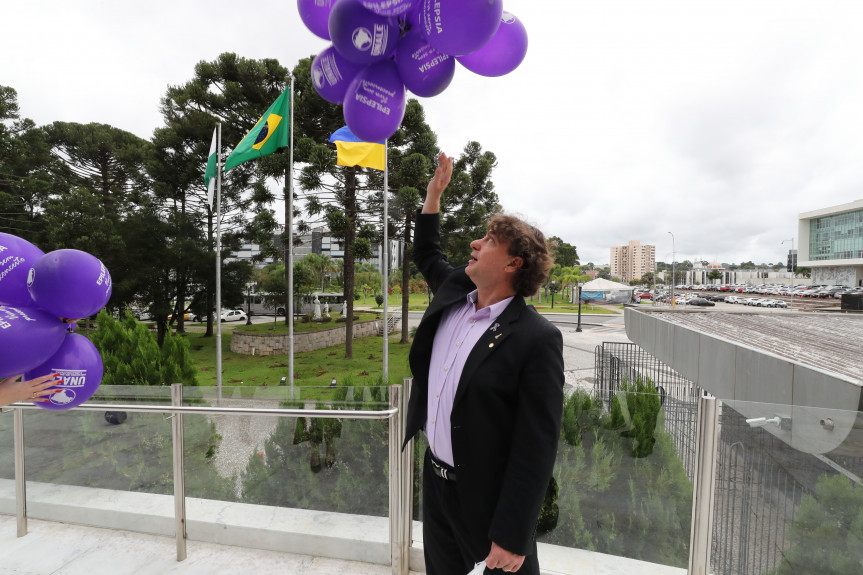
(719, 121)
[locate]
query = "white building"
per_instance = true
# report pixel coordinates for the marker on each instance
(831, 243)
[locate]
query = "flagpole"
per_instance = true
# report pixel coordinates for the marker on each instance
(289, 223)
(219, 267)
(385, 265)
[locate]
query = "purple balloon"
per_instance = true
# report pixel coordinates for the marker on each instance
(332, 74)
(79, 364)
(360, 35)
(70, 283)
(410, 20)
(459, 27)
(503, 53)
(389, 7)
(424, 71)
(17, 256)
(315, 14)
(375, 102)
(28, 336)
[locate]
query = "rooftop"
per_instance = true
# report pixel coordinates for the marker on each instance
(829, 342)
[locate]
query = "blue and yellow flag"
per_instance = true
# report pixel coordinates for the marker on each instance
(269, 134)
(351, 151)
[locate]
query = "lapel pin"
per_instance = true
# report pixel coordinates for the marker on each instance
(498, 335)
(491, 345)
(495, 326)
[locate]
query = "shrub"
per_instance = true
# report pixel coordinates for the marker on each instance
(131, 356)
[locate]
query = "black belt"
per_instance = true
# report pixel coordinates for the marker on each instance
(441, 469)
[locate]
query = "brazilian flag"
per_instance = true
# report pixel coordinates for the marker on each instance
(269, 134)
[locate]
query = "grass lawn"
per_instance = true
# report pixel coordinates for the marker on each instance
(419, 302)
(315, 368)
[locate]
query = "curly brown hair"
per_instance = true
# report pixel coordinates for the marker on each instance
(528, 243)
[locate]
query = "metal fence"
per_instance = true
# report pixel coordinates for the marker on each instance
(618, 363)
(399, 464)
(758, 478)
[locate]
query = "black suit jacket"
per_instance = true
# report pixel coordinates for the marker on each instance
(507, 410)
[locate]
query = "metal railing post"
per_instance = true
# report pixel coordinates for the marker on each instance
(396, 433)
(703, 486)
(20, 480)
(179, 471)
(407, 480)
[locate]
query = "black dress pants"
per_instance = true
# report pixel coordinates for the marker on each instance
(448, 547)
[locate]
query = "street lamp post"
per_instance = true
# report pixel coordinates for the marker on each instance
(248, 305)
(578, 326)
(673, 302)
(791, 259)
(552, 294)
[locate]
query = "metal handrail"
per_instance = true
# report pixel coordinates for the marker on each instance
(188, 409)
(396, 430)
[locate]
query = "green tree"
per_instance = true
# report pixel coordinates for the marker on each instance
(28, 171)
(131, 356)
(234, 91)
(412, 155)
(104, 168)
(714, 275)
(345, 199)
(827, 533)
(564, 254)
(469, 202)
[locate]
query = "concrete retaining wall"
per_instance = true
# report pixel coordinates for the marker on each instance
(271, 344)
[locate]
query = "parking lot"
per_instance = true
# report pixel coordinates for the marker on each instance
(749, 300)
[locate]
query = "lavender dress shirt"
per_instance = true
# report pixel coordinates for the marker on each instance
(459, 330)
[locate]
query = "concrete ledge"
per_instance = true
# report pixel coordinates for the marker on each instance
(317, 533)
(272, 344)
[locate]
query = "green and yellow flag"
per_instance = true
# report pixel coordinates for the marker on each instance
(269, 134)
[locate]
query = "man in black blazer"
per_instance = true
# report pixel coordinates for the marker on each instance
(488, 393)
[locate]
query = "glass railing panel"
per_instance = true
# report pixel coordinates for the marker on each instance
(99, 449)
(321, 464)
(621, 483)
(788, 490)
(7, 458)
(620, 478)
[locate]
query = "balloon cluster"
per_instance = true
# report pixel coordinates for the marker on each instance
(381, 47)
(38, 292)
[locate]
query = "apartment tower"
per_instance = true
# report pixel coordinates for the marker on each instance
(632, 261)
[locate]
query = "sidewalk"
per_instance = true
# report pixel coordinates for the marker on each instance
(52, 548)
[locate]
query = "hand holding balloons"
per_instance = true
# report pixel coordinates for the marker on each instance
(79, 364)
(14, 389)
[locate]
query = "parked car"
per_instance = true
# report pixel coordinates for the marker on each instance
(234, 315)
(143, 315)
(700, 301)
(188, 316)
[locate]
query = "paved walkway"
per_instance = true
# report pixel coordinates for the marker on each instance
(51, 548)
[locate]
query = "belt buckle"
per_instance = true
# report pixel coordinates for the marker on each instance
(441, 470)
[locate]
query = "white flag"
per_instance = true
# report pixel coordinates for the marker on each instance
(210, 174)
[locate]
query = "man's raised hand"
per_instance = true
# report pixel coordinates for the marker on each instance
(438, 183)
